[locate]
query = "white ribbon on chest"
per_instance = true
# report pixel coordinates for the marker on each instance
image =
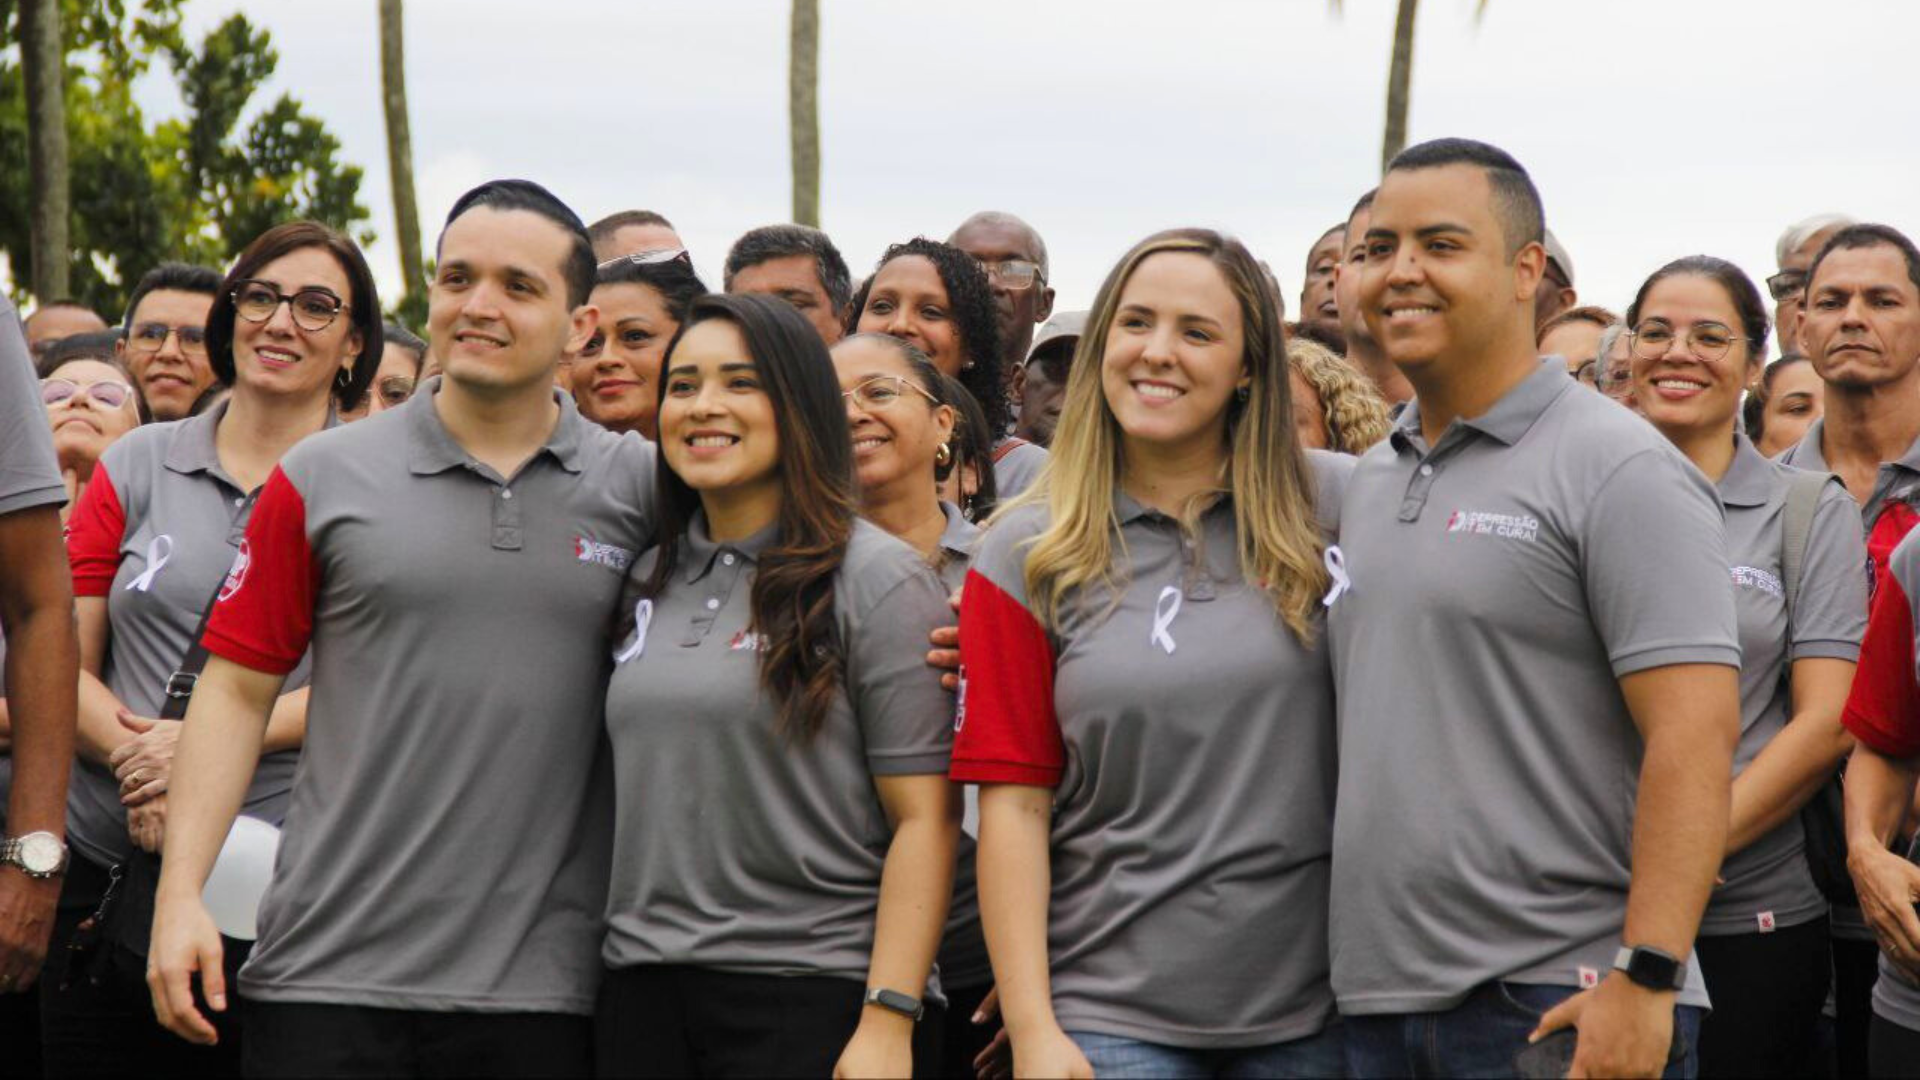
(1337, 566)
(642, 615)
(1163, 613)
(159, 550)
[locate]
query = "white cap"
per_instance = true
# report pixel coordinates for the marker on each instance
(1558, 254)
(1066, 324)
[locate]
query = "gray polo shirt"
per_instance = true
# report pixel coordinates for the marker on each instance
(736, 847)
(446, 847)
(153, 535)
(1767, 884)
(1883, 712)
(963, 952)
(1189, 740)
(29, 472)
(1502, 582)
(1017, 469)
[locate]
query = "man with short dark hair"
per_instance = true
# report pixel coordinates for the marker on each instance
(630, 232)
(1793, 254)
(436, 907)
(1319, 303)
(1040, 384)
(58, 319)
(163, 342)
(1537, 718)
(1015, 259)
(1362, 350)
(798, 264)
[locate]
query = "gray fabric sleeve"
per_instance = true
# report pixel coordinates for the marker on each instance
(905, 715)
(29, 472)
(1329, 472)
(1654, 551)
(1830, 612)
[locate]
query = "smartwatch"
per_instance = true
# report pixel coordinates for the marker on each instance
(1651, 967)
(897, 1002)
(38, 854)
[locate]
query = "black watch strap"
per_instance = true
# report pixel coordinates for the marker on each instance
(895, 1001)
(1651, 967)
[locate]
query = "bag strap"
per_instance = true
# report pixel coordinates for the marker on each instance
(179, 689)
(1007, 446)
(1796, 522)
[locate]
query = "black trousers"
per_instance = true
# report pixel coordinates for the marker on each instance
(963, 1040)
(1768, 991)
(673, 1020)
(96, 1014)
(1856, 967)
(297, 1040)
(1894, 1051)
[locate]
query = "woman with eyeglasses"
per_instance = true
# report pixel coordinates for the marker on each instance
(292, 333)
(643, 299)
(1148, 702)
(940, 299)
(90, 403)
(784, 829)
(401, 359)
(1697, 339)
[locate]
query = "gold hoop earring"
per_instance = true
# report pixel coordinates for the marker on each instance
(943, 455)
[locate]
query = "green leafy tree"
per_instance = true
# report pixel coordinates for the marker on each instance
(197, 187)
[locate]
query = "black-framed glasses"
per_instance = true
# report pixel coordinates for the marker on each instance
(394, 390)
(151, 337)
(1787, 285)
(1014, 274)
(878, 393)
(107, 394)
(313, 308)
(1704, 340)
(650, 258)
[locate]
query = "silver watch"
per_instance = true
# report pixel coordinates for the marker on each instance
(37, 854)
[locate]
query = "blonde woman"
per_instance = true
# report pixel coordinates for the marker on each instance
(1147, 701)
(1334, 406)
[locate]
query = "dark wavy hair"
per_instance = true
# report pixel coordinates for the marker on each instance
(974, 316)
(363, 303)
(1732, 280)
(792, 598)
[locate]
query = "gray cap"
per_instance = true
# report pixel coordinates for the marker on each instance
(1557, 253)
(1067, 324)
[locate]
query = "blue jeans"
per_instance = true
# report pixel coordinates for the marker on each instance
(1115, 1056)
(1481, 1035)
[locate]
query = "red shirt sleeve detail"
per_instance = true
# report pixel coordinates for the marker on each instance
(1883, 707)
(94, 531)
(1006, 732)
(263, 617)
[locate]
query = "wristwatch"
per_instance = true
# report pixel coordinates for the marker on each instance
(37, 854)
(895, 1001)
(1651, 967)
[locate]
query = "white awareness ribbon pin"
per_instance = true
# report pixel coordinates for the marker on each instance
(159, 550)
(642, 615)
(1163, 618)
(1337, 566)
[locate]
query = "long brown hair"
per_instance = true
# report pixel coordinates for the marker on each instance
(792, 610)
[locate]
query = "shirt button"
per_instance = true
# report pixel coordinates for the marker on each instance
(727, 559)
(713, 603)
(506, 494)
(1426, 470)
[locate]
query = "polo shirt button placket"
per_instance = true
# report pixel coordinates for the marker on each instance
(506, 521)
(1417, 491)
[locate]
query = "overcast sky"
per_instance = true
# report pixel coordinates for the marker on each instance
(1654, 128)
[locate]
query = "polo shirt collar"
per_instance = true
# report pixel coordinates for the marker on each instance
(195, 450)
(700, 550)
(1748, 481)
(1126, 508)
(432, 449)
(1509, 419)
(1807, 455)
(959, 535)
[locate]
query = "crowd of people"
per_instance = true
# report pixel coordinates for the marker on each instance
(898, 676)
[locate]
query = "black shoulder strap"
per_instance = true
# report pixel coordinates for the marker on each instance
(179, 688)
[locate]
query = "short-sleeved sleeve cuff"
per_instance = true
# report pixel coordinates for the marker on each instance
(29, 500)
(227, 648)
(1825, 650)
(1892, 742)
(1004, 772)
(914, 764)
(1659, 656)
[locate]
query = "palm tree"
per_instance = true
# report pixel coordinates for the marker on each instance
(803, 110)
(43, 58)
(1400, 75)
(406, 212)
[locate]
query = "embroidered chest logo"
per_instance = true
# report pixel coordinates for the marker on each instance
(1752, 577)
(748, 641)
(607, 555)
(1488, 523)
(237, 576)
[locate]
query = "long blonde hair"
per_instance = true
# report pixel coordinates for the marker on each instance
(1276, 534)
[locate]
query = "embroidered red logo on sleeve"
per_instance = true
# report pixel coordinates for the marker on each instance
(237, 576)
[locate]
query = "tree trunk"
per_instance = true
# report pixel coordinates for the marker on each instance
(1399, 83)
(803, 110)
(393, 87)
(44, 61)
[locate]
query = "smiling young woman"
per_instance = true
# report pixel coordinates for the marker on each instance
(1698, 331)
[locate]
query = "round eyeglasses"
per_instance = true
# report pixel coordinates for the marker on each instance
(878, 393)
(150, 337)
(1708, 341)
(313, 309)
(107, 395)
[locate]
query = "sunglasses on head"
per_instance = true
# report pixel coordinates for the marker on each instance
(650, 258)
